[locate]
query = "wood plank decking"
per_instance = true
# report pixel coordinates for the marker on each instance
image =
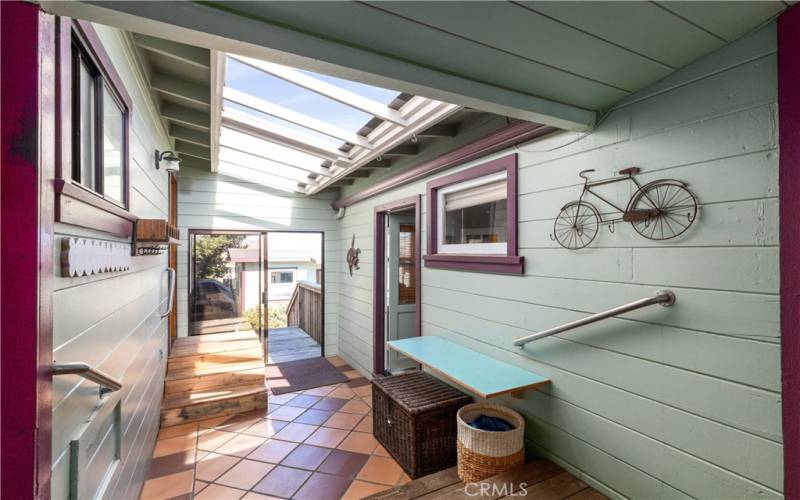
(291, 344)
(213, 375)
(541, 479)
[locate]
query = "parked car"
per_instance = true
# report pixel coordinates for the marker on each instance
(212, 300)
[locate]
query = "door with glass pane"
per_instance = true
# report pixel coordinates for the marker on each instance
(401, 307)
(225, 282)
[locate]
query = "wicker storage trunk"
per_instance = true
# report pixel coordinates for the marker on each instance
(415, 420)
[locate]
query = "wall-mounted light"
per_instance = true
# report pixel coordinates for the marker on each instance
(170, 159)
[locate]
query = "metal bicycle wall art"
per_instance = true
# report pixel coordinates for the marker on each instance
(658, 210)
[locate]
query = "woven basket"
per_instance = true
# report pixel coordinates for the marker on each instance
(482, 454)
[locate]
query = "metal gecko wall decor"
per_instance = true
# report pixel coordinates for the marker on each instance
(352, 256)
(658, 210)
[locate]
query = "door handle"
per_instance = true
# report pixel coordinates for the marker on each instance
(171, 287)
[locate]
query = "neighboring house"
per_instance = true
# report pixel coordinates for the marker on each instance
(284, 270)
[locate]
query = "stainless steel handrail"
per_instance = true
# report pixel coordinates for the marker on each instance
(664, 297)
(107, 382)
(171, 288)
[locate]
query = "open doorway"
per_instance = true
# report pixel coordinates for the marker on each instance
(397, 313)
(295, 306)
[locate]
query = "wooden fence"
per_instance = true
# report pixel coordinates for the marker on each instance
(305, 309)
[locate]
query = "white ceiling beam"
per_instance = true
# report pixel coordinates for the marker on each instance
(265, 149)
(196, 56)
(217, 82)
(264, 165)
(184, 89)
(264, 179)
(272, 109)
(294, 139)
(323, 88)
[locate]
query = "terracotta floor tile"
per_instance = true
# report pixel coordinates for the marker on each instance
(323, 487)
(172, 485)
(213, 466)
(199, 485)
(306, 457)
(329, 438)
(352, 374)
(359, 442)
(241, 445)
(344, 367)
(287, 413)
(367, 401)
(361, 489)
(265, 428)
(342, 392)
(281, 399)
(304, 401)
(252, 495)
(404, 479)
(272, 451)
(320, 391)
(212, 439)
(363, 391)
(219, 492)
(336, 360)
(381, 470)
(365, 425)
(282, 482)
(343, 463)
(345, 421)
(330, 404)
(314, 417)
(178, 430)
(245, 474)
(174, 445)
(170, 464)
(210, 423)
(381, 451)
(237, 423)
(296, 432)
(355, 406)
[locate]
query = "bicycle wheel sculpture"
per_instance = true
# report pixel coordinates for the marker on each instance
(576, 225)
(667, 210)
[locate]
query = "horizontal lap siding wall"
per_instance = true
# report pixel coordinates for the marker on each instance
(113, 320)
(214, 201)
(660, 403)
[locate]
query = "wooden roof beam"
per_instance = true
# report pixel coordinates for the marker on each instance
(403, 150)
(188, 54)
(185, 116)
(183, 89)
(440, 130)
(189, 135)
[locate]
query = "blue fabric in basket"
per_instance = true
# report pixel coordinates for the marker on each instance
(492, 424)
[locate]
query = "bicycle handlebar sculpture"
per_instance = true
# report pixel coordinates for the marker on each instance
(658, 210)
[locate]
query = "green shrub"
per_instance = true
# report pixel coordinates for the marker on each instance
(276, 319)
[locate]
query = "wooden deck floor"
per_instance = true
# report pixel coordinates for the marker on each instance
(291, 344)
(541, 479)
(213, 375)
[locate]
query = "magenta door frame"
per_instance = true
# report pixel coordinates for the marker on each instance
(789, 175)
(27, 168)
(379, 281)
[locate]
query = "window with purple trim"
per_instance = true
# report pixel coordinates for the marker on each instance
(472, 219)
(99, 119)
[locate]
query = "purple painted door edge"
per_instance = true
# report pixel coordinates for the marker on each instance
(27, 162)
(789, 175)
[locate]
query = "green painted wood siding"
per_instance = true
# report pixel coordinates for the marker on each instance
(113, 320)
(214, 201)
(661, 403)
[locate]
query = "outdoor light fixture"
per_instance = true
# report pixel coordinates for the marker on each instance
(172, 163)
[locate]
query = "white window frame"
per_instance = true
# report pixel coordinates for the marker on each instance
(499, 248)
(283, 270)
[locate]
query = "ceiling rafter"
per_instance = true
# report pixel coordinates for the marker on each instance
(196, 56)
(190, 135)
(185, 116)
(271, 151)
(273, 132)
(184, 89)
(326, 89)
(277, 111)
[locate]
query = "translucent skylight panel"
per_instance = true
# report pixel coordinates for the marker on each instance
(286, 124)
(262, 165)
(257, 83)
(381, 95)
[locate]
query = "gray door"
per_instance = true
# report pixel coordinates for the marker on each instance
(400, 287)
